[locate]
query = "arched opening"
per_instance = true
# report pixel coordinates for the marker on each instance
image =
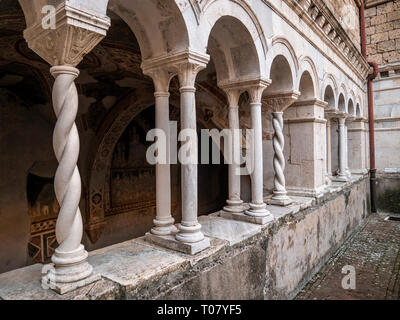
(281, 82)
(331, 134)
(329, 97)
(233, 58)
(306, 87)
(280, 75)
(232, 50)
(351, 109)
(358, 111)
(342, 103)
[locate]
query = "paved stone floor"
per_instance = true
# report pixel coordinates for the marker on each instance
(374, 252)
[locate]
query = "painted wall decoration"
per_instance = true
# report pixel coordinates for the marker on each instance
(43, 209)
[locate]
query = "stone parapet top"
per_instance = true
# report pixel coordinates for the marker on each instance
(127, 266)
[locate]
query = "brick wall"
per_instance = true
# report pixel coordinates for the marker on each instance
(383, 32)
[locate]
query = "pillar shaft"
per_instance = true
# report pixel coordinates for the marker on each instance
(67, 44)
(347, 150)
(280, 193)
(164, 222)
(257, 175)
(234, 203)
(257, 205)
(70, 257)
(342, 148)
(329, 147)
(189, 228)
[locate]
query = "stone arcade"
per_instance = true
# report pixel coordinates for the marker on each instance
(114, 69)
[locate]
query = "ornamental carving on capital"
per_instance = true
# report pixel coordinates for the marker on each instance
(187, 73)
(280, 102)
(73, 37)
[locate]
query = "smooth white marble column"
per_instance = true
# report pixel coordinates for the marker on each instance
(329, 148)
(71, 269)
(347, 150)
(342, 176)
(234, 202)
(189, 228)
(164, 222)
(257, 205)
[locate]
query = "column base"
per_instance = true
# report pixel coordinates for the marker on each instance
(257, 214)
(234, 206)
(280, 200)
(48, 281)
(69, 271)
(170, 242)
(341, 178)
(164, 228)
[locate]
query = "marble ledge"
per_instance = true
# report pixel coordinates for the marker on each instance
(131, 264)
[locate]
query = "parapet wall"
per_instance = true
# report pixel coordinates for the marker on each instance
(245, 261)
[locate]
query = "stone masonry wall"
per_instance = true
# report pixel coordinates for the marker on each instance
(383, 32)
(347, 12)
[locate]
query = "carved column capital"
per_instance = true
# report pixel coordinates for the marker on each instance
(350, 119)
(331, 113)
(233, 96)
(161, 78)
(281, 101)
(186, 64)
(76, 33)
(254, 87)
(342, 116)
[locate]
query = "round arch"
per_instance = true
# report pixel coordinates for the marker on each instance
(351, 107)
(159, 26)
(228, 43)
(330, 82)
(342, 98)
(282, 67)
(330, 97)
(246, 39)
(282, 47)
(308, 72)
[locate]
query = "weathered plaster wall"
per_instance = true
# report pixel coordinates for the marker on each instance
(388, 193)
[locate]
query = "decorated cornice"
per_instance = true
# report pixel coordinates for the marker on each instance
(321, 19)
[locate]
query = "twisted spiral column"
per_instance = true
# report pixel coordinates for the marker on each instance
(70, 257)
(280, 194)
